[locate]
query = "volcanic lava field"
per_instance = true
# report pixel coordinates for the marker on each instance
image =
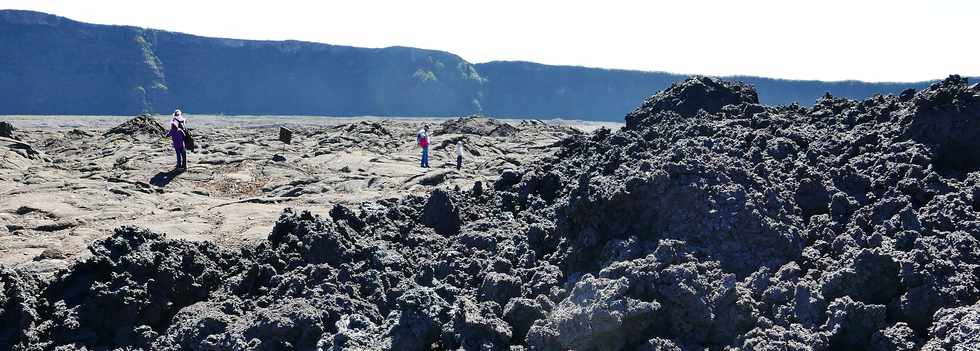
(708, 221)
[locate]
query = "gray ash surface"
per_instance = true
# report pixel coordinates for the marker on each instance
(710, 221)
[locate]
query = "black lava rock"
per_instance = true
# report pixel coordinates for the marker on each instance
(6, 130)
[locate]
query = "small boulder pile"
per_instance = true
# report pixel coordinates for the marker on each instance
(478, 126)
(142, 125)
(370, 135)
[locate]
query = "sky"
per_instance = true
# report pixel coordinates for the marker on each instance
(870, 40)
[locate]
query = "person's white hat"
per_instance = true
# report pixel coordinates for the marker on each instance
(178, 116)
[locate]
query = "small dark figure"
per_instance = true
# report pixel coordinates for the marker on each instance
(459, 155)
(423, 139)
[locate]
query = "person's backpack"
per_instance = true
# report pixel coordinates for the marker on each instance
(189, 141)
(423, 140)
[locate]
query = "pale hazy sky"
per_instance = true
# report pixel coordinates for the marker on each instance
(894, 40)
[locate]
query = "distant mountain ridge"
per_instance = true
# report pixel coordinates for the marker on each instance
(53, 65)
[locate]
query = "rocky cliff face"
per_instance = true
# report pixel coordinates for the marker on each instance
(53, 65)
(56, 66)
(709, 221)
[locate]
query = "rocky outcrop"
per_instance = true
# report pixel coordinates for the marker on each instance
(690, 97)
(142, 125)
(18, 310)
(7, 130)
(478, 126)
(709, 222)
(15, 154)
(945, 117)
(955, 329)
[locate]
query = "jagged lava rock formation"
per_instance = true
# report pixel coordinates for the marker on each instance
(6, 130)
(142, 125)
(708, 222)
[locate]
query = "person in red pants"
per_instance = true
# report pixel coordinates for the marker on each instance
(423, 138)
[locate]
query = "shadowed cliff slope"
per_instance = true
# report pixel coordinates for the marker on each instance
(53, 65)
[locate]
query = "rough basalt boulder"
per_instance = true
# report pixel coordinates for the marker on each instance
(598, 314)
(354, 332)
(508, 178)
(7, 130)
(869, 277)
(955, 329)
(499, 287)
(18, 314)
(946, 116)
(441, 213)
(521, 313)
(695, 94)
(130, 289)
(850, 324)
(476, 326)
(899, 337)
(419, 319)
(311, 239)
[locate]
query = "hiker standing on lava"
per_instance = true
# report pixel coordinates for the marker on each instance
(177, 133)
(423, 139)
(459, 155)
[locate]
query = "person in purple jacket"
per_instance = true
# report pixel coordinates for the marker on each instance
(177, 134)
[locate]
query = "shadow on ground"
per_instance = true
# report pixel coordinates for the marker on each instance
(163, 178)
